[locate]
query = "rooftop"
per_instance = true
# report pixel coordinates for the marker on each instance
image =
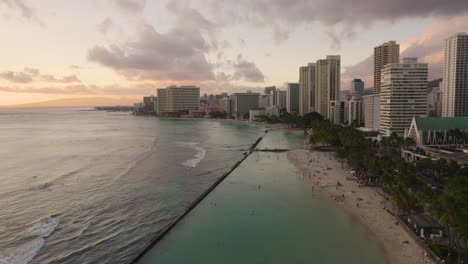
(442, 123)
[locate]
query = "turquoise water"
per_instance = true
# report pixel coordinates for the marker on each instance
(264, 213)
(79, 186)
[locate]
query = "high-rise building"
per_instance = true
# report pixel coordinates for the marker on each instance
(307, 89)
(269, 89)
(354, 113)
(225, 105)
(292, 101)
(273, 100)
(371, 106)
(384, 54)
(403, 95)
(264, 101)
(175, 99)
(357, 89)
(281, 99)
(327, 84)
(242, 103)
(455, 81)
(434, 102)
(338, 112)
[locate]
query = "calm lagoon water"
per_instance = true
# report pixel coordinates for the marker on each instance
(263, 213)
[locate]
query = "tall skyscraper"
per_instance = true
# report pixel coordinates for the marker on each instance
(403, 95)
(455, 81)
(327, 84)
(176, 99)
(384, 54)
(307, 89)
(357, 89)
(292, 101)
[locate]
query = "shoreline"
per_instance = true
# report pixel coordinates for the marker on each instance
(322, 172)
(164, 231)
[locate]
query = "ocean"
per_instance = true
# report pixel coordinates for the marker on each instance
(81, 186)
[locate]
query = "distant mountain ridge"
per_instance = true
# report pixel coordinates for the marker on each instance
(81, 102)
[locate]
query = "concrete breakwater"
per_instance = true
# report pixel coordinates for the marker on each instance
(170, 226)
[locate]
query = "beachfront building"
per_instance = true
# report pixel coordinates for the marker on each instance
(273, 111)
(455, 81)
(174, 99)
(371, 109)
(327, 85)
(242, 103)
(384, 54)
(439, 131)
(307, 89)
(254, 113)
(403, 95)
(225, 105)
(292, 98)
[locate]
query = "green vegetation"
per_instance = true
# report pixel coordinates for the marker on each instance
(442, 184)
(292, 120)
(222, 115)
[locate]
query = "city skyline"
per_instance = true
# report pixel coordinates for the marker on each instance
(126, 48)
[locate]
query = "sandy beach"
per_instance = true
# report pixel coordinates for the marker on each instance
(322, 172)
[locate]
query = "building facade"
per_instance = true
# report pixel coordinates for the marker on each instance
(327, 84)
(242, 103)
(455, 80)
(281, 98)
(403, 95)
(292, 98)
(357, 89)
(371, 110)
(175, 99)
(434, 102)
(384, 54)
(255, 113)
(354, 113)
(306, 89)
(338, 112)
(264, 101)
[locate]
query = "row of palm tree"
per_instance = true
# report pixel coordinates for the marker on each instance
(409, 184)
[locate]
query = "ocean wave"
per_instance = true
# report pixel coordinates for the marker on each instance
(45, 227)
(201, 153)
(134, 163)
(26, 253)
(47, 186)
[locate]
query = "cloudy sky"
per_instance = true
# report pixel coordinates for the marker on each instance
(126, 48)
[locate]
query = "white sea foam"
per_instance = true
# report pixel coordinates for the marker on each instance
(201, 153)
(45, 227)
(26, 252)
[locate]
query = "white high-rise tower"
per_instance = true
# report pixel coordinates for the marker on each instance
(455, 82)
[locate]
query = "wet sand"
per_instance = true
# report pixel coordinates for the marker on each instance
(323, 172)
